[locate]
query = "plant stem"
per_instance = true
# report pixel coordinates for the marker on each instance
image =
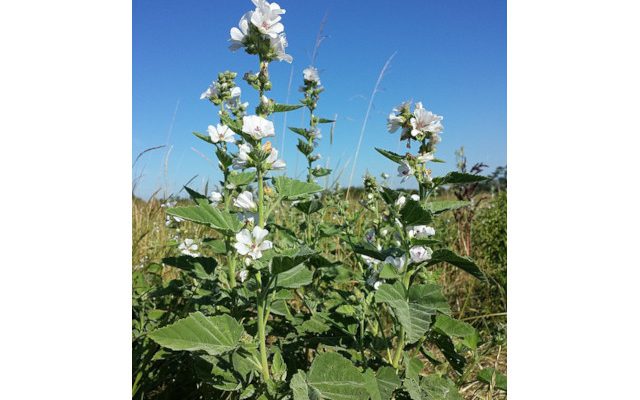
(400, 347)
(261, 335)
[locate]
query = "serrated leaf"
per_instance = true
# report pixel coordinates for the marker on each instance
(294, 278)
(290, 258)
(346, 309)
(413, 366)
(201, 267)
(412, 309)
(336, 378)
(206, 138)
(320, 172)
(291, 188)
(413, 388)
(315, 324)
(278, 366)
(309, 207)
(382, 384)
(207, 215)
(438, 388)
(300, 131)
(486, 375)
(300, 388)
(464, 263)
(454, 328)
(414, 213)
(285, 107)
(304, 147)
(456, 178)
(239, 179)
(214, 335)
(437, 207)
(390, 155)
(197, 197)
(388, 271)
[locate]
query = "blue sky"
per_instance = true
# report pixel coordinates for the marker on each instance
(451, 55)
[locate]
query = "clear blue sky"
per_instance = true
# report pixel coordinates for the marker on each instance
(451, 55)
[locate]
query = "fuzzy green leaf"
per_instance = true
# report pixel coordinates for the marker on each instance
(241, 178)
(197, 197)
(413, 309)
(294, 278)
(291, 188)
(464, 263)
(414, 213)
(336, 378)
(325, 121)
(309, 207)
(285, 107)
(486, 375)
(438, 388)
(458, 178)
(207, 215)
(437, 207)
(201, 267)
(390, 155)
(454, 328)
(214, 335)
(203, 137)
(382, 384)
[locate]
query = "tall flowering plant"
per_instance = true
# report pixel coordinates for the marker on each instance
(362, 328)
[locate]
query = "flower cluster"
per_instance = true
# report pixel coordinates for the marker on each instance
(265, 157)
(261, 32)
(224, 92)
(420, 125)
(252, 244)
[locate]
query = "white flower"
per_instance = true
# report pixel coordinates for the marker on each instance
(242, 158)
(257, 127)
(424, 157)
(370, 235)
(311, 74)
(394, 122)
(252, 243)
(384, 232)
(215, 197)
(273, 160)
(420, 254)
(247, 217)
(397, 262)
(266, 18)
(415, 197)
(420, 231)
(189, 248)
(243, 275)
(314, 133)
(238, 35)
(370, 261)
(405, 171)
(221, 133)
(400, 201)
(245, 201)
(373, 281)
(424, 121)
(278, 45)
(211, 91)
(234, 100)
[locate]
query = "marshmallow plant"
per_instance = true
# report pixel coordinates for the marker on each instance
(340, 307)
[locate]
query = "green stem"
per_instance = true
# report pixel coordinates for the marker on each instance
(260, 199)
(398, 354)
(261, 336)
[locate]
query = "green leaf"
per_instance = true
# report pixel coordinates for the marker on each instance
(319, 172)
(464, 263)
(315, 324)
(458, 178)
(437, 207)
(390, 155)
(454, 328)
(197, 197)
(239, 179)
(289, 258)
(414, 213)
(413, 366)
(388, 271)
(438, 388)
(300, 388)
(278, 366)
(346, 309)
(300, 131)
(207, 215)
(304, 147)
(412, 309)
(448, 349)
(201, 267)
(382, 384)
(336, 378)
(294, 278)
(291, 188)
(486, 376)
(203, 137)
(413, 388)
(285, 107)
(214, 335)
(218, 246)
(325, 121)
(309, 207)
